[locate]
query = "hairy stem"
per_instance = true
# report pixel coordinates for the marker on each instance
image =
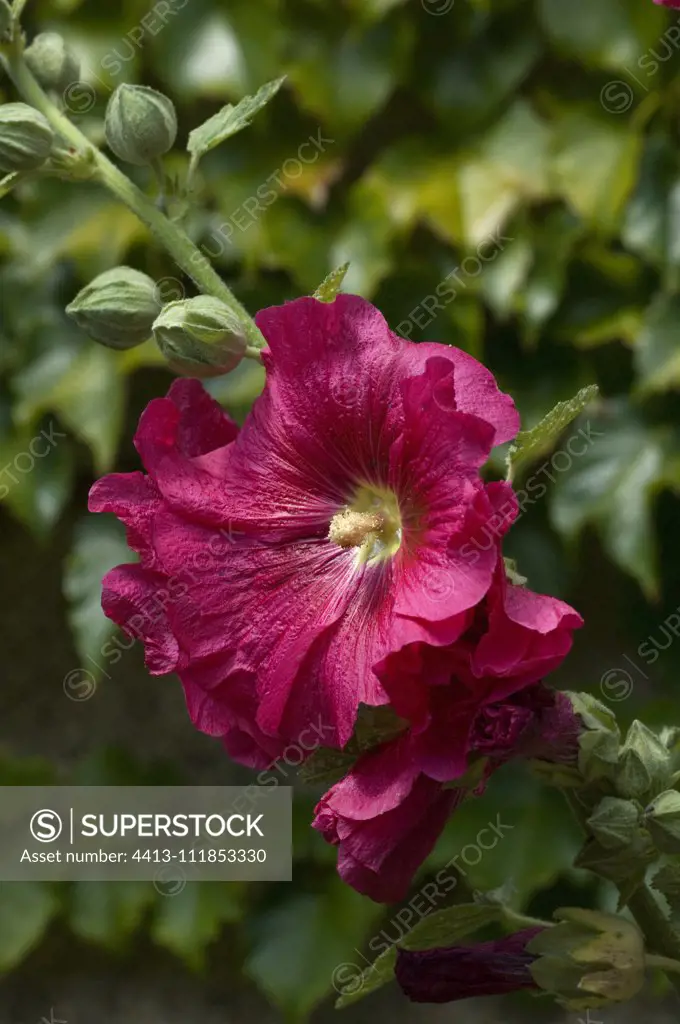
(187, 256)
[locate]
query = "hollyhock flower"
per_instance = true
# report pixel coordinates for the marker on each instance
(347, 502)
(387, 813)
(675, 4)
(461, 972)
(484, 700)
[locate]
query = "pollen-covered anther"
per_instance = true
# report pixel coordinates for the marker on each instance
(350, 529)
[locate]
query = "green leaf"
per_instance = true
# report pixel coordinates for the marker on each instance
(447, 927)
(326, 765)
(610, 33)
(651, 223)
(108, 913)
(99, 545)
(374, 725)
(613, 485)
(307, 944)
(87, 392)
(531, 444)
(527, 809)
(331, 285)
(657, 353)
(508, 168)
(10, 181)
(26, 909)
(189, 921)
(380, 973)
(38, 488)
(230, 119)
(667, 882)
(595, 166)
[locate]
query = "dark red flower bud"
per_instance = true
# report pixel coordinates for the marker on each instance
(461, 972)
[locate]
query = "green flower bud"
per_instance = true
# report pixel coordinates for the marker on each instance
(5, 19)
(614, 822)
(200, 337)
(53, 63)
(25, 138)
(662, 818)
(118, 308)
(589, 959)
(624, 865)
(140, 124)
(644, 764)
(600, 739)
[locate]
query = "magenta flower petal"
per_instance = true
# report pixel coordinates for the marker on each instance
(461, 972)
(386, 817)
(330, 533)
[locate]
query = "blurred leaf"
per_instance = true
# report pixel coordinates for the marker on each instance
(613, 485)
(610, 33)
(26, 909)
(515, 809)
(504, 277)
(108, 913)
(595, 166)
(471, 81)
(38, 487)
(531, 444)
(331, 285)
(509, 165)
(657, 352)
(300, 943)
(651, 224)
(86, 391)
(187, 922)
(231, 119)
(344, 81)
(99, 545)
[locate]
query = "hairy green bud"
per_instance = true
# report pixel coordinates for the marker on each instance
(117, 308)
(615, 822)
(589, 959)
(140, 124)
(53, 63)
(25, 138)
(644, 764)
(200, 337)
(662, 818)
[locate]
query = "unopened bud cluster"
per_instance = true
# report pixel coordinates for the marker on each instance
(628, 789)
(199, 337)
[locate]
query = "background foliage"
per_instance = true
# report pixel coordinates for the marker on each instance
(544, 132)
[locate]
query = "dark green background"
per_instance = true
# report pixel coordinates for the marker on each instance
(555, 123)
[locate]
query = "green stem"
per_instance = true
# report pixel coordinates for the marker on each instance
(664, 962)
(187, 256)
(643, 906)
